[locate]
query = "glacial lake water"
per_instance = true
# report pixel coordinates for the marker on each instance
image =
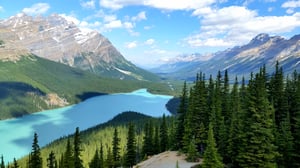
(16, 135)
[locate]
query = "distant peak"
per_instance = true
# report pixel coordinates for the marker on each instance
(262, 37)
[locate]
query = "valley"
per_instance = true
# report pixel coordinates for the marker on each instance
(60, 122)
(70, 98)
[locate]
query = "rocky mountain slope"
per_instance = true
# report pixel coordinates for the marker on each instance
(57, 39)
(33, 84)
(241, 60)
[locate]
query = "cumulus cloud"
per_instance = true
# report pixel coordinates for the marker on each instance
(140, 16)
(291, 4)
(150, 41)
(131, 45)
(160, 4)
(234, 25)
(113, 24)
(36, 9)
(88, 4)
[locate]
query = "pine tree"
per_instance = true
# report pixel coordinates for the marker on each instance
(164, 135)
(51, 161)
(95, 162)
(156, 140)
(294, 102)
(130, 157)
(181, 115)
(257, 141)
(68, 156)
(188, 129)
(148, 139)
(211, 157)
(235, 126)
(116, 149)
(109, 159)
(35, 159)
(101, 157)
(2, 164)
(77, 150)
(15, 164)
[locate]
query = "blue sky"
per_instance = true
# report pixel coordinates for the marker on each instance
(149, 32)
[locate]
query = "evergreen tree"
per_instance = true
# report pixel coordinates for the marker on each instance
(294, 102)
(101, 157)
(276, 89)
(95, 162)
(51, 161)
(257, 141)
(116, 149)
(130, 157)
(68, 156)
(15, 164)
(35, 159)
(285, 144)
(77, 150)
(235, 127)
(181, 115)
(148, 139)
(188, 129)
(164, 135)
(156, 141)
(2, 164)
(211, 157)
(109, 159)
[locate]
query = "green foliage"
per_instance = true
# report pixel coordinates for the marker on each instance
(211, 158)
(164, 135)
(130, 155)
(116, 149)
(51, 161)
(35, 155)
(77, 150)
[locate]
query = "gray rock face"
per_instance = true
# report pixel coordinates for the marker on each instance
(242, 60)
(57, 39)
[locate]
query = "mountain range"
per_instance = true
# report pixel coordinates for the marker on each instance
(57, 39)
(239, 61)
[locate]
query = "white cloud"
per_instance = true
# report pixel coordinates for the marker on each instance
(291, 4)
(236, 25)
(128, 25)
(160, 4)
(150, 41)
(131, 45)
(88, 4)
(109, 18)
(113, 24)
(140, 16)
(36, 9)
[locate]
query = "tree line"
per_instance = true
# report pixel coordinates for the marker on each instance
(247, 124)
(253, 123)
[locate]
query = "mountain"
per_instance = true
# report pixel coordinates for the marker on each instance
(240, 60)
(60, 40)
(32, 84)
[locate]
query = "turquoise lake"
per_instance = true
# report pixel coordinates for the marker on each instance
(17, 134)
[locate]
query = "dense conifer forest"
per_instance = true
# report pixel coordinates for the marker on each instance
(243, 123)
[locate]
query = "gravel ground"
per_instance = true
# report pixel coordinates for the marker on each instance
(166, 159)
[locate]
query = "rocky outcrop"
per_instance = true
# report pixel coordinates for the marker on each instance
(57, 39)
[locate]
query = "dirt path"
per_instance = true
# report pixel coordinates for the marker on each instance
(166, 159)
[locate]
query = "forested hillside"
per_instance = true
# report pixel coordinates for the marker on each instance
(253, 124)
